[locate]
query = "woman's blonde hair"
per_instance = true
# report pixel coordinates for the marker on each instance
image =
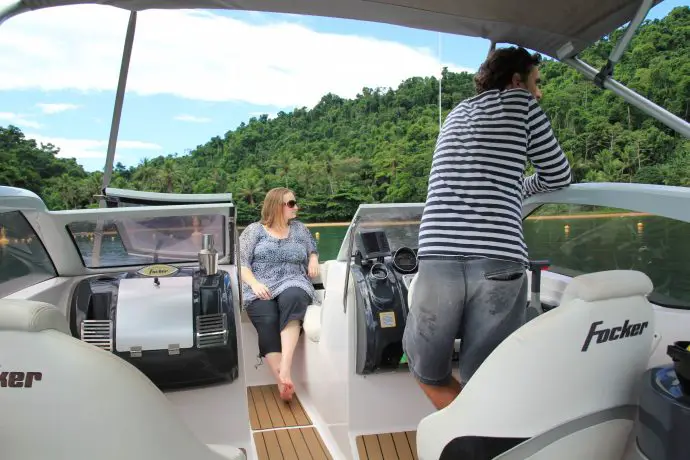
(272, 207)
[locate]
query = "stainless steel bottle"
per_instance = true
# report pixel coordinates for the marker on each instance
(208, 256)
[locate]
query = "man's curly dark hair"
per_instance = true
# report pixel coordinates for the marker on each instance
(498, 69)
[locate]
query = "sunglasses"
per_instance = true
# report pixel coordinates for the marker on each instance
(291, 204)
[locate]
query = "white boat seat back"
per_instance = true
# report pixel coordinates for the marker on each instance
(314, 316)
(62, 398)
(583, 358)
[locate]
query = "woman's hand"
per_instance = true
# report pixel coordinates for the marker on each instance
(313, 268)
(261, 291)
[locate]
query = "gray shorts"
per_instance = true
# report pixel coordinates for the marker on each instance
(480, 301)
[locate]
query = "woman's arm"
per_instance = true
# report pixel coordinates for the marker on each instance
(312, 251)
(248, 240)
(248, 277)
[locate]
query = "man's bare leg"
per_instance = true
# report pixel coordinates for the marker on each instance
(442, 396)
(288, 339)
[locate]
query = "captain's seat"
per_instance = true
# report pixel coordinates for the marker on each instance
(561, 387)
(62, 398)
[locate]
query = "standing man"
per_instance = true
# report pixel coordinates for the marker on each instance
(473, 258)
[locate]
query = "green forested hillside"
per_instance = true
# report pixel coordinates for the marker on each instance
(378, 146)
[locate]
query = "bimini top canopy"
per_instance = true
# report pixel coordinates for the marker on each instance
(558, 28)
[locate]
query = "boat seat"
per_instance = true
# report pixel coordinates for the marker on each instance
(314, 314)
(62, 398)
(563, 386)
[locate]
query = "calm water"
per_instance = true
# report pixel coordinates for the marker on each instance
(657, 246)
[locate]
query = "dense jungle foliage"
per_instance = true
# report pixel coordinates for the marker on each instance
(378, 146)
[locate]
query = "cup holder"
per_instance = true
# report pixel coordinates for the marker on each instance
(379, 272)
(680, 355)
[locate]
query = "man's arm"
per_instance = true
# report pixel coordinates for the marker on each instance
(544, 152)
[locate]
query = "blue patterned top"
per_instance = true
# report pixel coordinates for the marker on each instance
(277, 263)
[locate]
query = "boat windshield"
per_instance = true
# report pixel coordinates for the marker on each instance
(400, 221)
(136, 241)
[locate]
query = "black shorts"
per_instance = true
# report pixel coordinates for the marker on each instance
(270, 317)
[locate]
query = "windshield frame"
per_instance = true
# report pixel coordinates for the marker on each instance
(58, 239)
(15, 285)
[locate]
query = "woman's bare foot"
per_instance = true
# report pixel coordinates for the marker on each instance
(284, 393)
(286, 388)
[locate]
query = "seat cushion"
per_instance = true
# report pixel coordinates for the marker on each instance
(606, 285)
(31, 316)
(312, 322)
(72, 392)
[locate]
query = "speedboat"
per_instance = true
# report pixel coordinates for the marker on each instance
(123, 333)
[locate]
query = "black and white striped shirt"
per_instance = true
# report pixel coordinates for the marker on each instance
(477, 184)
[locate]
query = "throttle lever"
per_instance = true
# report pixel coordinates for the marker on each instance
(536, 267)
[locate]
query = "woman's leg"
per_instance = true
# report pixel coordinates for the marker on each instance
(292, 305)
(265, 317)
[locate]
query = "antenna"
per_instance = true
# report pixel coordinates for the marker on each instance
(440, 79)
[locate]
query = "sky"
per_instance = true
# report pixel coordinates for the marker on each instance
(197, 74)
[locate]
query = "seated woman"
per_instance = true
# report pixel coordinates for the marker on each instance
(277, 257)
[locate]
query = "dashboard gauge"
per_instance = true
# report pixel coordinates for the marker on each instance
(405, 260)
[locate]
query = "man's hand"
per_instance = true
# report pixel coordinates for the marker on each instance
(261, 291)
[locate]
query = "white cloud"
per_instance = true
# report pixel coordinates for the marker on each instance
(199, 55)
(18, 120)
(56, 108)
(192, 119)
(89, 148)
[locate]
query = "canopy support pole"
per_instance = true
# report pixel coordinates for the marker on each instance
(622, 45)
(119, 98)
(12, 9)
(492, 48)
(664, 116)
(114, 130)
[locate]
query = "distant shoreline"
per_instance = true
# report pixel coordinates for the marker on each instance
(600, 215)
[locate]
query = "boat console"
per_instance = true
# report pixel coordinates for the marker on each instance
(382, 278)
(176, 325)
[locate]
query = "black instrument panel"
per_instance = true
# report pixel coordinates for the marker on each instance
(405, 260)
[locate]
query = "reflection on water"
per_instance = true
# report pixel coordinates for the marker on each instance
(575, 245)
(147, 239)
(112, 252)
(23, 259)
(654, 245)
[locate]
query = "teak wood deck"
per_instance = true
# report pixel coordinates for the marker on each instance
(388, 446)
(291, 444)
(267, 410)
(282, 431)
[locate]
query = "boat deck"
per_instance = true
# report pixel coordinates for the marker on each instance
(387, 446)
(291, 444)
(282, 431)
(268, 411)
